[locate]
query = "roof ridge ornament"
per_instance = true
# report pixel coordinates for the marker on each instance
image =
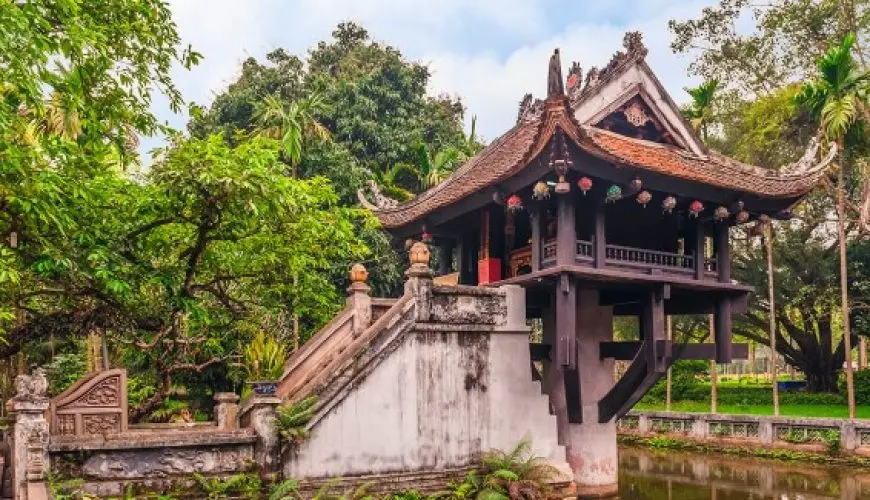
(530, 109)
(382, 202)
(555, 84)
(635, 50)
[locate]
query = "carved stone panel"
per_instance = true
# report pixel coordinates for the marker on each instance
(96, 404)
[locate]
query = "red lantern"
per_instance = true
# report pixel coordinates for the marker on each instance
(514, 204)
(585, 184)
(742, 216)
(426, 238)
(695, 208)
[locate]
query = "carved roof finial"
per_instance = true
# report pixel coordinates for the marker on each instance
(555, 85)
(633, 43)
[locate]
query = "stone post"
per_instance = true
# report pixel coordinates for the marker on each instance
(420, 280)
(643, 423)
(700, 428)
(358, 299)
(515, 304)
(226, 410)
(849, 439)
(258, 414)
(30, 437)
(766, 432)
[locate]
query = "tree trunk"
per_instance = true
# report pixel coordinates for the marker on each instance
(669, 383)
(771, 298)
(844, 292)
(714, 378)
(822, 382)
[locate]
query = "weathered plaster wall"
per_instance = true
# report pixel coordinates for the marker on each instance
(437, 402)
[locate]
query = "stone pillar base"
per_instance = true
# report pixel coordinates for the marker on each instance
(607, 491)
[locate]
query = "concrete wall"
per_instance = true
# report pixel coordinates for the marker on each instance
(442, 396)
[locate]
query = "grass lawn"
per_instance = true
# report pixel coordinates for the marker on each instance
(790, 410)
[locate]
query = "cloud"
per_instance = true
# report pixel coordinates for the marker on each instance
(488, 52)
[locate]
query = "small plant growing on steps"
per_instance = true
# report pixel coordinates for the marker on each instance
(285, 490)
(291, 419)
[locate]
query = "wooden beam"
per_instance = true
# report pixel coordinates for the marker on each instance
(626, 351)
(539, 352)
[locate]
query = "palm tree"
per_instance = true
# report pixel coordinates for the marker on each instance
(700, 112)
(292, 123)
(837, 97)
(434, 169)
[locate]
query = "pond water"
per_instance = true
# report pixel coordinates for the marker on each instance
(667, 475)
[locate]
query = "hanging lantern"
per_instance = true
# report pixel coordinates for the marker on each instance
(721, 213)
(426, 237)
(514, 204)
(741, 217)
(635, 185)
(541, 191)
(764, 219)
(585, 184)
(644, 197)
(695, 208)
(668, 204)
(736, 207)
(614, 193)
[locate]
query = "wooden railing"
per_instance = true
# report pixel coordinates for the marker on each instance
(615, 255)
(648, 258)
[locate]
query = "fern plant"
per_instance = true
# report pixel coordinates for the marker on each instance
(291, 419)
(217, 488)
(285, 490)
(265, 357)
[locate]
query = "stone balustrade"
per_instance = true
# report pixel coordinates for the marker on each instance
(811, 434)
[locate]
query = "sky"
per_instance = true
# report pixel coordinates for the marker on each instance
(487, 52)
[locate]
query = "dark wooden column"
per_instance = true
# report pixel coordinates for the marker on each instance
(445, 263)
(566, 345)
(698, 248)
(723, 253)
(536, 219)
(599, 239)
(566, 238)
(722, 330)
(653, 330)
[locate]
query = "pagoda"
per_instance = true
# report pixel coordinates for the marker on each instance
(601, 201)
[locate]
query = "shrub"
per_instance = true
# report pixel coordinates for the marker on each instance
(862, 386)
(264, 358)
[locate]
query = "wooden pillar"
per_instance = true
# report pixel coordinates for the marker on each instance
(566, 345)
(722, 330)
(536, 219)
(652, 327)
(488, 265)
(599, 240)
(445, 262)
(698, 248)
(723, 253)
(566, 237)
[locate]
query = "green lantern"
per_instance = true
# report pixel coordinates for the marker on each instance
(614, 193)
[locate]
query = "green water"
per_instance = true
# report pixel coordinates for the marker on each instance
(666, 475)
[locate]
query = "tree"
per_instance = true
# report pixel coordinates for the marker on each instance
(787, 39)
(700, 111)
(77, 82)
(292, 124)
(837, 97)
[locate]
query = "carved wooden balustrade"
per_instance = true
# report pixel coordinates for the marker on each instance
(617, 256)
(95, 405)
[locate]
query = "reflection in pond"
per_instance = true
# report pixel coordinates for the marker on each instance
(667, 475)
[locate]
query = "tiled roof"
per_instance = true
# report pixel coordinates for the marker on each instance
(520, 145)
